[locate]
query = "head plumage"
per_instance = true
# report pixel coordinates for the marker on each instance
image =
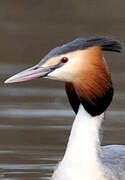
(107, 44)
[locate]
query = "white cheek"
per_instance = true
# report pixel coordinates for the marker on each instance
(68, 72)
(60, 75)
(64, 73)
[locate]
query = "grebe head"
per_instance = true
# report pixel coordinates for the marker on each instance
(81, 65)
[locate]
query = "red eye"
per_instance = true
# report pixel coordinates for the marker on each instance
(64, 60)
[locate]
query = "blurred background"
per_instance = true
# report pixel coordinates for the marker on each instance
(35, 117)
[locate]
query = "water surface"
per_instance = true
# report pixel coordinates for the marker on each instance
(35, 117)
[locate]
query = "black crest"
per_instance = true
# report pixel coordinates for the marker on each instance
(107, 44)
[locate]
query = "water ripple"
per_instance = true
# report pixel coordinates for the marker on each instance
(13, 112)
(25, 92)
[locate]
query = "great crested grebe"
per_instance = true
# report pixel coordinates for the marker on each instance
(81, 65)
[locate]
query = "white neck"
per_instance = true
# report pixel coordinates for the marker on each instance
(82, 156)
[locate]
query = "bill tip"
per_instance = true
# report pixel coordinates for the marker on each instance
(7, 81)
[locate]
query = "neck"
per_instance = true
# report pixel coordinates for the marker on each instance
(85, 135)
(83, 150)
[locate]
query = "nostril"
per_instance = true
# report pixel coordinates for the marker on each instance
(36, 67)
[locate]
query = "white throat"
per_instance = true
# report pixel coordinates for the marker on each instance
(82, 156)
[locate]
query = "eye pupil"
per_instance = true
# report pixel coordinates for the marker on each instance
(64, 59)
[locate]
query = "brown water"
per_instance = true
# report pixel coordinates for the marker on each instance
(35, 117)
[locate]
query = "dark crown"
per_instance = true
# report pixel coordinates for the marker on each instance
(106, 43)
